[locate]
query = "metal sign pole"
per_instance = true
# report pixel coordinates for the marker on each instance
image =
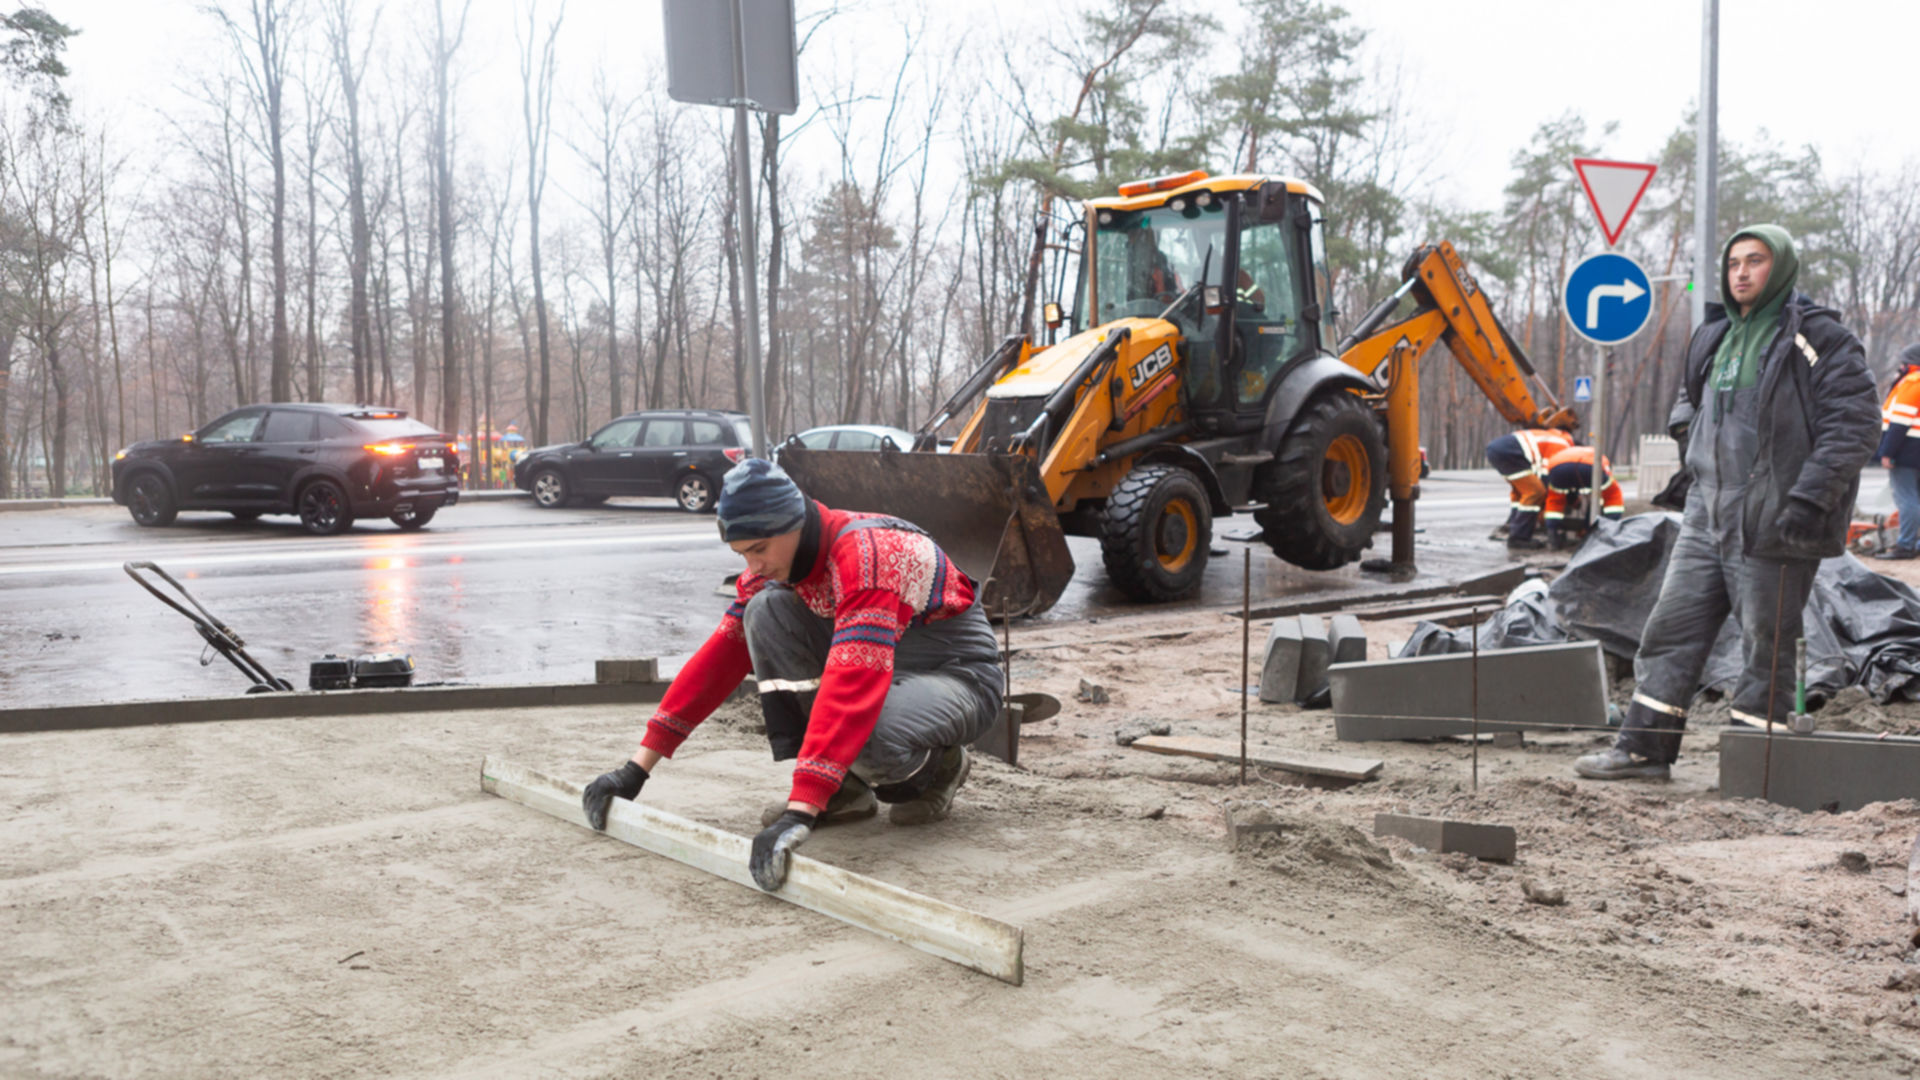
(747, 223)
(1599, 435)
(1706, 167)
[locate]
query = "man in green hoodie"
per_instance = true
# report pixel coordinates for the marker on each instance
(1782, 417)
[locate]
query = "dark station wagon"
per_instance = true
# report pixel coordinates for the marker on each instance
(679, 453)
(329, 464)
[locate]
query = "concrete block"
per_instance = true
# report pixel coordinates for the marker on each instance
(1828, 770)
(1247, 823)
(642, 669)
(1280, 663)
(1497, 843)
(1315, 653)
(1347, 639)
(1424, 697)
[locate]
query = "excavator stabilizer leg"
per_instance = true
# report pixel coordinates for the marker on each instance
(989, 512)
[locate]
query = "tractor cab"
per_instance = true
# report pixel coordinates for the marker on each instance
(1253, 245)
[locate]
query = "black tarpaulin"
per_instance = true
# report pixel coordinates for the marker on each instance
(1861, 628)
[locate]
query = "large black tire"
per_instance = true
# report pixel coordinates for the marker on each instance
(150, 501)
(1156, 533)
(413, 520)
(695, 493)
(324, 510)
(1327, 484)
(550, 489)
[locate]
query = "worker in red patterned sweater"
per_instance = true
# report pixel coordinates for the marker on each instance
(874, 664)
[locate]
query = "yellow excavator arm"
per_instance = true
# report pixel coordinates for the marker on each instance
(1451, 308)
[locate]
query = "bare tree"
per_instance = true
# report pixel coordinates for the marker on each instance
(443, 49)
(1121, 33)
(350, 67)
(315, 102)
(607, 127)
(39, 173)
(262, 45)
(536, 109)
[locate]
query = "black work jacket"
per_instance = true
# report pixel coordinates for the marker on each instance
(1819, 424)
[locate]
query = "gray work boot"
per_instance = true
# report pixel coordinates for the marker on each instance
(853, 802)
(937, 801)
(1617, 764)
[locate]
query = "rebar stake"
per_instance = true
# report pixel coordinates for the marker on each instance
(1246, 647)
(1473, 632)
(1773, 684)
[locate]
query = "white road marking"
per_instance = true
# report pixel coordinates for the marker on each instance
(183, 562)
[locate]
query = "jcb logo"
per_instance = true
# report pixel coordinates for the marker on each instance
(1156, 362)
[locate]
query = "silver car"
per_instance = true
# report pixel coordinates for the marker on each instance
(854, 437)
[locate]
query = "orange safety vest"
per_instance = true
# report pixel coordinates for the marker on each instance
(1527, 490)
(1541, 444)
(1612, 502)
(1903, 402)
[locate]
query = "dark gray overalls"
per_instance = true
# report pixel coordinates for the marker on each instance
(1709, 576)
(947, 683)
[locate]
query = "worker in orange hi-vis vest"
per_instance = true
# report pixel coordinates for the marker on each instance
(1521, 458)
(1570, 483)
(1899, 453)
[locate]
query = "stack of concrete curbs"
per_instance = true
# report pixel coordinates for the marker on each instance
(1299, 650)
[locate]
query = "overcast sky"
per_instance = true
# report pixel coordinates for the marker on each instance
(1485, 73)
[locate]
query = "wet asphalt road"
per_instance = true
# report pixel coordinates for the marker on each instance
(492, 591)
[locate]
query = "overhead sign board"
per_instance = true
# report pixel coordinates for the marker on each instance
(700, 53)
(1608, 298)
(1613, 190)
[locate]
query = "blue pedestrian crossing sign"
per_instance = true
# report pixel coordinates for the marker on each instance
(1608, 298)
(1583, 388)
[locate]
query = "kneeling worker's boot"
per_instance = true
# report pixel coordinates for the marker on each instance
(937, 801)
(853, 802)
(1618, 764)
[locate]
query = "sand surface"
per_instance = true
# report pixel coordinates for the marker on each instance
(308, 898)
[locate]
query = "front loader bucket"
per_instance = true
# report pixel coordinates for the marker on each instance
(989, 512)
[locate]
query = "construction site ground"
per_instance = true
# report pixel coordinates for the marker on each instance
(337, 897)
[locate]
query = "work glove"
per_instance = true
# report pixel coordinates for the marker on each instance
(624, 781)
(1802, 524)
(769, 860)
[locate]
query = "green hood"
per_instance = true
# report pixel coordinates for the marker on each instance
(1736, 364)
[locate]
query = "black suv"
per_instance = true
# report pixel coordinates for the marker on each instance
(327, 463)
(680, 453)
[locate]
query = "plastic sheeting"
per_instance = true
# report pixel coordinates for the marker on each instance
(1861, 628)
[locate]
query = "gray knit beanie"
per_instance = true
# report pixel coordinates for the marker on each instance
(758, 500)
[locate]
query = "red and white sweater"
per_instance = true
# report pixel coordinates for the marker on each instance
(873, 583)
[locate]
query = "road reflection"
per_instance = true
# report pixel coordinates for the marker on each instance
(389, 615)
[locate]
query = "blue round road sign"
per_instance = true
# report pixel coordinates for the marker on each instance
(1608, 298)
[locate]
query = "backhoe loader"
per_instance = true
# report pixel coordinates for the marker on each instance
(1200, 375)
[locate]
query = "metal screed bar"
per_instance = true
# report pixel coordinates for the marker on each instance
(932, 926)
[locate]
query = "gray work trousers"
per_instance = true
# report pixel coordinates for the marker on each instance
(946, 690)
(1708, 578)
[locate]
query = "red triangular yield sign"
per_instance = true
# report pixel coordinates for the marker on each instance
(1613, 190)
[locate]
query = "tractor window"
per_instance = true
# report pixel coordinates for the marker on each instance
(1322, 276)
(1147, 258)
(1266, 308)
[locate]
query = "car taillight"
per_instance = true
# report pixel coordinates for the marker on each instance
(388, 449)
(735, 453)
